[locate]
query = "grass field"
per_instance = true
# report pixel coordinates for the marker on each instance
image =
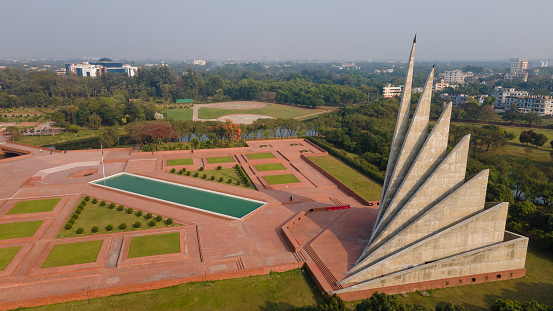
(227, 159)
(6, 255)
(101, 216)
(73, 254)
(281, 179)
(276, 291)
(270, 167)
(183, 114)
(273, 110)
(260, 155)
(226, 173)
(34, 206)
(155, 244)
(14, 230)
(173, 162)
(362, 185)
(47, 140)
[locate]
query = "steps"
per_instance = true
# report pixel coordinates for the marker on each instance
(322, 268)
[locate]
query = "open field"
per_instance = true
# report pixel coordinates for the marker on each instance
(260, 155)
(273, 110)
(276, 291)
(73, 253)
(155, 244)
(270, 167)
(173, 162)
(281, 179)
(6, 255)
(226, 159)
(101, 216)
(34, 206)
(183, 114)
(226, 173)
(362, 185)
(47, 140)
(16, 230)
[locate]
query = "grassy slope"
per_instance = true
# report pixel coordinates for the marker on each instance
(101, 216)
(19, 229)
(6, 255)
(260, 155)
(362, 185)
(179, 114)
(226, 173)
(173, 162)
(156, 244)
(34, 206)
(73, 253)
(281, 179)
(270, 167)
(278, 291)
(273, 110)
(46, 140)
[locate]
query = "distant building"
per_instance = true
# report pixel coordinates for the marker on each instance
(542, 105)
(392, 91)
(501, 94)
(519, 65)
(460, 99)
(346, 65)
(453, 76)
(199, 62)
(103, 65)
(440, 85)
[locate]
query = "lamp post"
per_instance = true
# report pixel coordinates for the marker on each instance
(117, 137)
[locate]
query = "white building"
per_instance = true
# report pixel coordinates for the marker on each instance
(199, 62)
(392, 91)
(84, 69)
(542, 105)
(519, 65)
(501, 94)
(453, 76)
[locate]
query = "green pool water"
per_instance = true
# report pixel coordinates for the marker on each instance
(196, 198)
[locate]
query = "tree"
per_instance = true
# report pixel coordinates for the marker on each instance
(14, 132)
(532, 118)
(526, 136)
(383, 302)
(94, 121)
(108, 137)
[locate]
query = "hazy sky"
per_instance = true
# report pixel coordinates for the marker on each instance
(283, 29)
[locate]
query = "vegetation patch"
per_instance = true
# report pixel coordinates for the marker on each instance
(270, 167)
(34, 206)
(226, 159)
(272, 110)
(281, 179)
(106, 219)
(14, 230)
(47, 140)
(362, 185)
(222, 175)
(181, 114)
(260, 155)
(6, 256)
(155, 244)
(73, 254)
(174, 162)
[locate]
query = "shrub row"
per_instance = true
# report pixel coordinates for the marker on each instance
(243, 175)
(365, 168)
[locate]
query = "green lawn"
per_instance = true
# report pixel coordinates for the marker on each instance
(226, 159)
(14, 230)
(281, 179)
(47, 140)
(34, 206)
(101, 216)
(273, 110)
(155, 244)
(73, 254)
(270, 167)
(173, 162)
(276, 291)
(226, 173)
(6, 255)
(362, 185)
(182, 114)
(260, 155)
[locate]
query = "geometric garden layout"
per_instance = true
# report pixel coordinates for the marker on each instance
(64, 235)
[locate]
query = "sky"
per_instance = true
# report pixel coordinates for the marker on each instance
(356, 30)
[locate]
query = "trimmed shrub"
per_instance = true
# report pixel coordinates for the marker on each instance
(180, 172)
(204, 176)
(137, 224)
(71, 221)
(219, 167)
(81, 206)
(80, 230)
(238, 182)
(169, 221)
(148, 216)
(188, 173)
(123, 226)
(121, 208)
(129, 210)
(95, 229)
(221, 179)
(103, 203)
(87, 198)
(173, 170)
(247, 183)
(94, 201)
(139, 213)
(83, 202)
(237, 166)
(152, 223)
(75, 216)
(183, 169)
(109, 227)
(112, 205)
(202, 168)
(78, 211)
(229, 181)
(196, 174)
(212, 177)
(159, 218)
(68, 226)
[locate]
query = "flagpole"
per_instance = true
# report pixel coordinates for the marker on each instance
(103, 170)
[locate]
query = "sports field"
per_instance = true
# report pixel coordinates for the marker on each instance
(184, 114)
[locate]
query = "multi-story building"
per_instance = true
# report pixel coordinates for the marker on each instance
(103, 65)
(453, 76)
(542, 105)
(460, 99)
(392, 91)
(519, 65)
(199, 62)
(501, 94)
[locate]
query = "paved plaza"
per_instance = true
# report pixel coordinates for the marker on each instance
(295, 228)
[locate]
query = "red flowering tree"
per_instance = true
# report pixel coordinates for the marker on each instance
(227, 130)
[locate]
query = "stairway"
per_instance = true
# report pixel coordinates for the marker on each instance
(322, 268)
